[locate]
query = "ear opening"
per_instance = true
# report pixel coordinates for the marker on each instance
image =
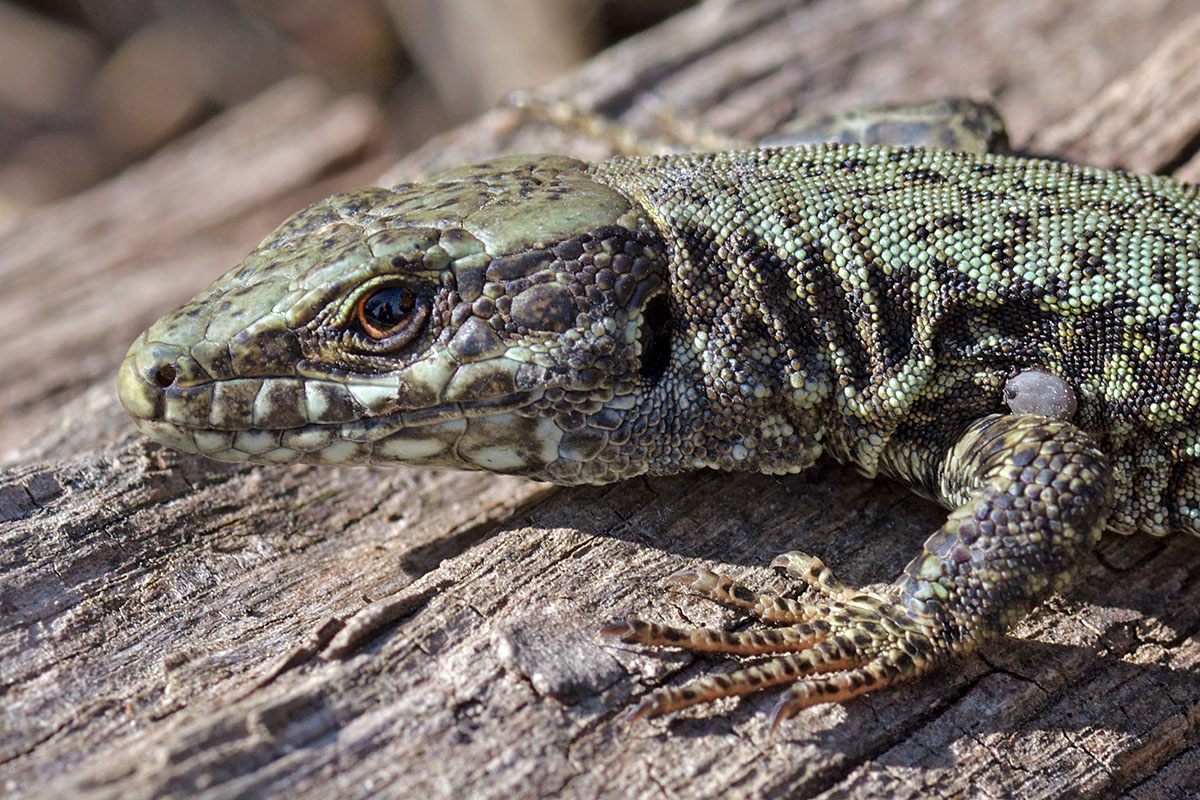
(656, 337)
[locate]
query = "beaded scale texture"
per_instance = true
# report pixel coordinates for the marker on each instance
(743, 310)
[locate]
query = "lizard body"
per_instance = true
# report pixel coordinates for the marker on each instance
(743, 310)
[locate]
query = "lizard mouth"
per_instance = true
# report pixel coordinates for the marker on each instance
(479, 434)
(312, 420)
(429, 418)
(485, 434)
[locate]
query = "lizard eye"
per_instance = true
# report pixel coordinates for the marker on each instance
(393, 312)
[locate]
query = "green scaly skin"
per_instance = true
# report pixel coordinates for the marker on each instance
(744, 310)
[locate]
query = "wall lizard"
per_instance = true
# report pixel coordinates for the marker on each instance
(748, 309)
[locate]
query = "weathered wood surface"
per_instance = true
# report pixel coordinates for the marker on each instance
(155, 607)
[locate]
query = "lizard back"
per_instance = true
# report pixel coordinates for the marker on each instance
(911, 284)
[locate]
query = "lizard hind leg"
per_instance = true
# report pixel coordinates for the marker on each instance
(952, 123)
(1031, 494)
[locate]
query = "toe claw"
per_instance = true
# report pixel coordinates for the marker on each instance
(699, 579)
(647, 708)
(792, 703)
(778, 714)
(618, 629)
(812, 571)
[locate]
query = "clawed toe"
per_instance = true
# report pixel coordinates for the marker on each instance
(619, 629)
(825, 652)
(702, 580)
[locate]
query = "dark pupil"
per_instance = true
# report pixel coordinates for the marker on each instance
(387, 308)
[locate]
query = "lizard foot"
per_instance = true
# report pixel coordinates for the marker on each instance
(1028, 494)
(845, 644)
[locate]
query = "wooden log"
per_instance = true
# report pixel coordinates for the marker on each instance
(164, 619)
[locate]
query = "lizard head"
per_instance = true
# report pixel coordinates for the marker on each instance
(508, 316)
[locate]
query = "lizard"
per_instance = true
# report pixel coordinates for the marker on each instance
(907, 310)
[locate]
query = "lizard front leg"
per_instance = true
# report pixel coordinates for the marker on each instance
(1031, 495)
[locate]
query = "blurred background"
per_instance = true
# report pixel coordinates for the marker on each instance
(89, 86)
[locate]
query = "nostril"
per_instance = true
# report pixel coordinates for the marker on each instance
(165, 375)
